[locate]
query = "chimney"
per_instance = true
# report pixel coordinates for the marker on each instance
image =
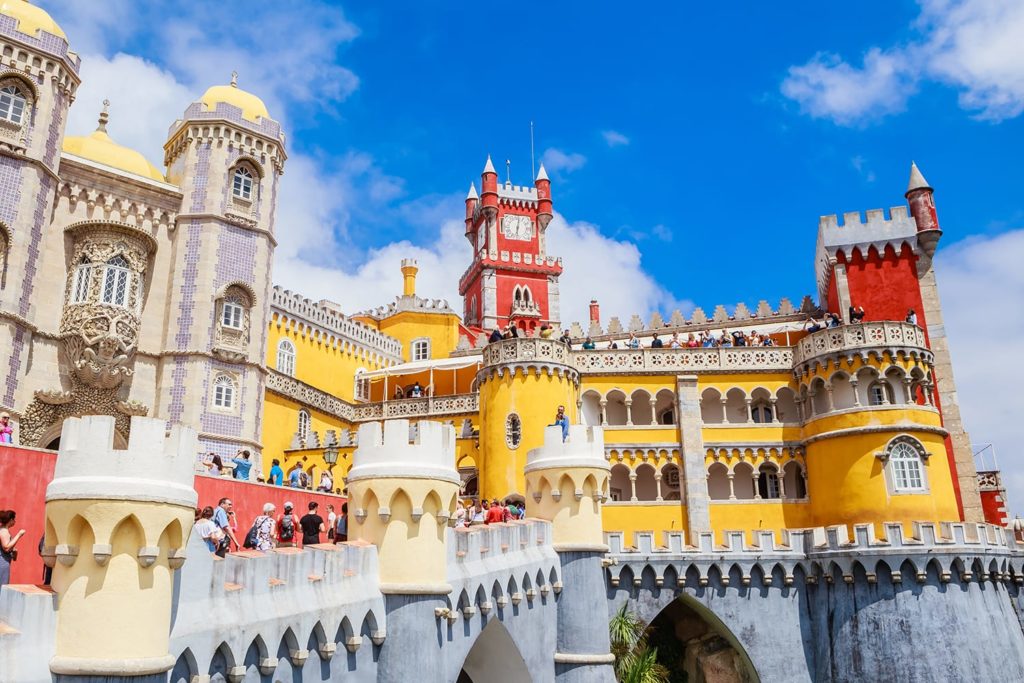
(595, 311)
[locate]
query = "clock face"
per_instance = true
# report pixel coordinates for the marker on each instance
(516, 227)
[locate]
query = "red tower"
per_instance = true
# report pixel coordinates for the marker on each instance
(512, 279)
(884, 264)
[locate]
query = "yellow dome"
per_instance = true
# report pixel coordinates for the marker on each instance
(252, 107)
(100, 148)
(30, 18)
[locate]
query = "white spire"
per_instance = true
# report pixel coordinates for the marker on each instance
(542, 174)
(489, 167)
(917, 180)
(472, 192)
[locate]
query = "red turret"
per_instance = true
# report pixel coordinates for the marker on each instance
(543, 185)
(489, 185)
(922, 203)
(472, 200)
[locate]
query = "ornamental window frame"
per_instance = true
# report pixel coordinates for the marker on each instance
(14, 103)
(232, 313)
(116, 281)
(287, 355)
(361, 390)
(305, 421)
(419, 349)
(243, 183)
(513, 431)
(904, 464)
(81, 279)
(225, 389)
(880, 393)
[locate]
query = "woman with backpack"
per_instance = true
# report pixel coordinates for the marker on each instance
(262, 532)
(287, 525)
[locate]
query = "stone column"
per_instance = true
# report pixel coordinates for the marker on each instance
(629, 411)
(117, 525)
(856, 394)
(732, 485)
(657, 482)
(604, 412)
(632, 486)
(583, 654)
(694, 487)
(750, 412)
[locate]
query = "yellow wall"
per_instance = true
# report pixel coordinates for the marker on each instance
(327, 367)
(281, 421)
(442, 329)
(632, 517)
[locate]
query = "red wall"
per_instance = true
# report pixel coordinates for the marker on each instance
(886, 286)
(993, 503)
(27, 471)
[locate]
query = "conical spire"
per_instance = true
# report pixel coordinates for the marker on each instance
(489, 166)
(104, 117)
(542, 173)
(917, 181)
(472, 192)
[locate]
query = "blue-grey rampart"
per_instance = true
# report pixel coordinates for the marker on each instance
(821, 607)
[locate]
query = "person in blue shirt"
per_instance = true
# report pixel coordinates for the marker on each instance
(242, 465)
(562, 421)
(276, 473)
(295, 477)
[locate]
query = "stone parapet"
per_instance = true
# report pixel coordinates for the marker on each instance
(650, 361)
(861, 338)
(547, 355)
(388, 452)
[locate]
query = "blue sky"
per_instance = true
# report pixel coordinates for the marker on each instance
(692, 146)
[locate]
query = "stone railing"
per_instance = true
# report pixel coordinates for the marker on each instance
(301, 392)
(434, 406)
(858, 336)
(526, 350)
(643, 361)
(990, 481)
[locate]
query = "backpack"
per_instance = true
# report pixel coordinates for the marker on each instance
(287, 527)
(303, 479)
(250, 538)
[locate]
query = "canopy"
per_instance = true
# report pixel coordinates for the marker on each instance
(423, 366)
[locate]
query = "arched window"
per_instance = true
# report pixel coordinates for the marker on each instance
(241, 185)
(904, 459)
(116, 282)
(304, 421)
(472, 309)
(513, 430)
(880, 393)
(224, 392)
(233, 313)
(420, 350)
(761, 412)
(12, 104)
(768, 482)
(286, 357)
(80, 285)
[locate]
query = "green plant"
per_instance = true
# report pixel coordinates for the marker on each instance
(635, 660)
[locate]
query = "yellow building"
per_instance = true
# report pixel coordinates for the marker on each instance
(774, 423)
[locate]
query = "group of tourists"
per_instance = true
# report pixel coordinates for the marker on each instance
(474, 512)
(218, 528)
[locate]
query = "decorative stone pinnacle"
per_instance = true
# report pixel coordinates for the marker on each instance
(234, 79)
(104, 116)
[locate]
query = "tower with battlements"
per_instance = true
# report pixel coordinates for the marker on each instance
(512, 279)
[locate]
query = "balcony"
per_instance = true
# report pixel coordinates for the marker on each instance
(657, 361)
(431, 406)
(848, 339)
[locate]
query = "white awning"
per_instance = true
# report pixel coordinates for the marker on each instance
(417, 367)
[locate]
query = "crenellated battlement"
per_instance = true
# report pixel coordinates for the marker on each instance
(157, 465)
(392, 449)
(584, 447)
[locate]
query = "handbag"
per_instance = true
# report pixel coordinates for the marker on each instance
(14, 554)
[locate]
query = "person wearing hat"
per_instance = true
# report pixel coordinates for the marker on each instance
(6, 430)
(287, 525)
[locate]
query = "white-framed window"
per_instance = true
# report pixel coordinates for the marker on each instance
(513, 430)
(761, 412)
(12, 104)
(304, 422)
(224, 392)
(286, 357)
(241, 185)
(233, 313)
(80, 285)
(880, 393)
(420, 350)
(362, 388)
(904, 459)
(768, 482)
(116, 282)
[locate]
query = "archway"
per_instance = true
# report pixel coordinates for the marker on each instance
(494, 652)
(695, 645)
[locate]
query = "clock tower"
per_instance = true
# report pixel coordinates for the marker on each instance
(512, 279)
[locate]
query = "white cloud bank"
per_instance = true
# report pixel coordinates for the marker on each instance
(982, 284)
(560, 161)
(974, 46)
(614, 138)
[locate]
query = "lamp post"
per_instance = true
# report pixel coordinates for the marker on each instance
(331, 458)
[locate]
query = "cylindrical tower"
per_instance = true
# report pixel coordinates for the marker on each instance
(522, 382)
(566, 481)
(116, 526)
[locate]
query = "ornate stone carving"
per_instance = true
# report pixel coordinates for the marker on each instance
(640, 361)
(51, 408)
(862, 336)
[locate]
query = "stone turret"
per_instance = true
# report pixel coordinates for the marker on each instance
(116, 526)
(402, 496)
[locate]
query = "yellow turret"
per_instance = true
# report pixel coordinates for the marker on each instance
(116, 526)
(409, 270)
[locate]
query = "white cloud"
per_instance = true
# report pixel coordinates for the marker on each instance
(860, 164)
(614, 138)
(828, 87)
(971, 45)
(559, 161)
(984, 331)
